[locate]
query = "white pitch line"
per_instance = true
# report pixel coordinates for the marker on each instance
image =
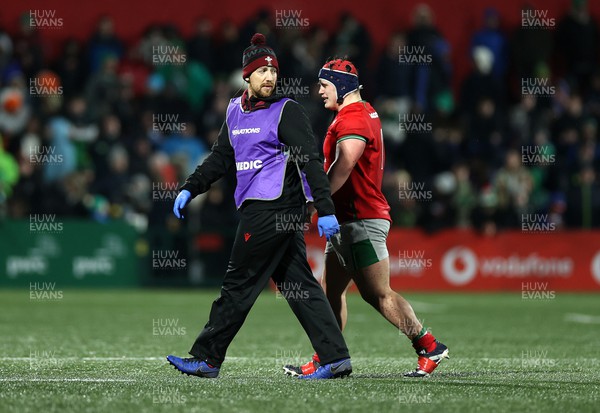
(582, 318)
(282, 360)
(262, 358)
(85, 358)
(164, 358)
(108, 359)
(66, 379)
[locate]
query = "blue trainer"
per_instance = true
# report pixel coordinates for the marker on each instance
(333, 370)
(194, 367)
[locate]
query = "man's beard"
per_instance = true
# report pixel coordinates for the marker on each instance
(259, 93)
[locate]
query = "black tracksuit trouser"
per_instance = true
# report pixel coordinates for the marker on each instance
(264, 250)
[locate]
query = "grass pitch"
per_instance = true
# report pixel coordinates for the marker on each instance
(105, 351)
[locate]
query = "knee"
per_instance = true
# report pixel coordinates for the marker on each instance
(378, 299)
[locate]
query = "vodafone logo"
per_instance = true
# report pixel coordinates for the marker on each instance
(459, 265)
(595, 267)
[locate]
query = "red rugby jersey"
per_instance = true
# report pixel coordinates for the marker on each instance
(360, 197)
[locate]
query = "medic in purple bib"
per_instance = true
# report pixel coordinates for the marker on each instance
(269, 141)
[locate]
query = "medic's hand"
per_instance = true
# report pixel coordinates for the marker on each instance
(181, 201)
(328, 225)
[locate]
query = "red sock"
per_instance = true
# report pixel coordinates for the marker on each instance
(427, 342)
(316, 358)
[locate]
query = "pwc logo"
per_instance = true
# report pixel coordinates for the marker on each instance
(247, 165)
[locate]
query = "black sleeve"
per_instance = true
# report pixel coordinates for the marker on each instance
(214, 166)
(295, 131)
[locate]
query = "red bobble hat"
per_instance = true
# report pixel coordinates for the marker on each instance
(258, 54)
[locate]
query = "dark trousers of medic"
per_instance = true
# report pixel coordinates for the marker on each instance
(264, 250)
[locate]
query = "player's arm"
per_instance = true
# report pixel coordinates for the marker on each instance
(348, 151)
(296, 132)
(216, 164)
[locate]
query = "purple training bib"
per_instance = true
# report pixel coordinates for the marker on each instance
(260, 158)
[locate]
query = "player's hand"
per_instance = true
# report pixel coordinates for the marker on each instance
(328, 225)
(180, 202)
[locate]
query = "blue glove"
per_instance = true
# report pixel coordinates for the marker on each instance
(180, 202)
(328, 225)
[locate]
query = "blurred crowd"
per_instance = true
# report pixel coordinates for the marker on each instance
(109, 130)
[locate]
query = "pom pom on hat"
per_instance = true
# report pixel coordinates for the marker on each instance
(258, 39)
(258, 54)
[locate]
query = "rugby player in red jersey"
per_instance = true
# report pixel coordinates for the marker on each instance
(354, 161)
